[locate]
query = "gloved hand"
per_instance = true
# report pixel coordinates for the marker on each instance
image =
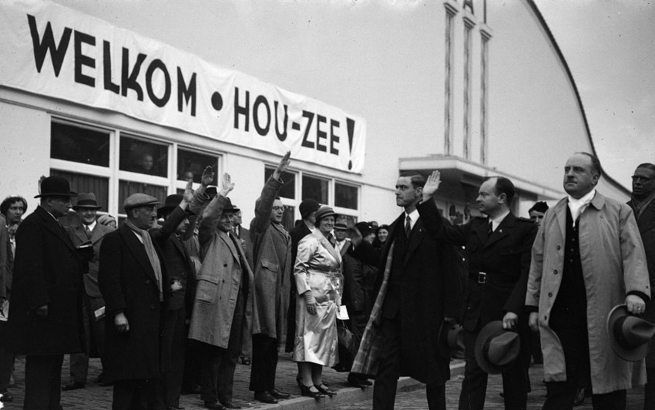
(310, 302)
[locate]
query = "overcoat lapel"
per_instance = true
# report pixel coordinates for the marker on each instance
(138, 251)
(560, 215)
(415, 239)
(327, 245)
(228, 242)
(53, 226)
(482, 231)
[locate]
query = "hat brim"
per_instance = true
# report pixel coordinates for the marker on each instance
(490, 330)
(76, 207)
(629, 355)
(66, 194)
(445, 350)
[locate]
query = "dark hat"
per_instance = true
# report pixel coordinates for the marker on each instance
(235, 208)
(170, 203)
(540, 206)
(340, 226)
(323, 212)
(229, 207)
(139, 199)
(364, 228)
(55, 186)
(629, 335)
(450, 338)
(87, 201)
(496, 347)
(308, 206)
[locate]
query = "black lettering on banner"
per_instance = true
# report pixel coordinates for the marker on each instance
(106, 68)
(83, 60)
(261, 100)
(47, 44)
(128, 78)
(241, 110)
(310, 117)
(320, 134)
(281, 135)
(186, 92)
(154, 65)
(334, 138)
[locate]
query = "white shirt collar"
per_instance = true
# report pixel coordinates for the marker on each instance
(414, 215)
(92, 225)
(498, 219)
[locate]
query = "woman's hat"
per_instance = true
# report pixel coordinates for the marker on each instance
(55, 186)
(323, 212)
(496, 347)
(629, 335)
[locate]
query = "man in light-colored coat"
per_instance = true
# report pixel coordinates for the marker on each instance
(587, 258)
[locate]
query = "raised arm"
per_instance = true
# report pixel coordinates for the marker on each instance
(213, 211)
(264, 204)
(432, 219)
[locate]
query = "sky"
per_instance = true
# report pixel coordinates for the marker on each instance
(609, 46)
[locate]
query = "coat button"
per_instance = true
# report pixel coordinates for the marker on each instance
(559, 247)
(545, 317)
(555, 272)
(550, 294)
(147, 281)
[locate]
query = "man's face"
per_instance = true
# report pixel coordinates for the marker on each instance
(643, 182)
(537, 217)
(340, 234)
(87, 215)
(15, 212)
(406, 194)
(143, 217)
(59, 205)
(579, 177)
(182, 226)
(277, 211)
(488, 201)
(236, 218)
(225, 221)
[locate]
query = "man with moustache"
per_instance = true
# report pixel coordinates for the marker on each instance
(587, 258)
(498, 246)
(643, 206)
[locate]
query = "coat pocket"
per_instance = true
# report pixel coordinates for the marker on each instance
(273, 267)
(207, 289)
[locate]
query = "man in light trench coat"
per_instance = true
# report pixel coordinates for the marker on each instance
(587, 258)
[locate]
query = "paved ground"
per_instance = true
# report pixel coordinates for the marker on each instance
(411, 395)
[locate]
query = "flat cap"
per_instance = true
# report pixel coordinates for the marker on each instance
(139, 199)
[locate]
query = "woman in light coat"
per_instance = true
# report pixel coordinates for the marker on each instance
(319, 283)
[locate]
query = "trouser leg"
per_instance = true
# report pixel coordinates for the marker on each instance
(649, 389)
(43, 382)
(227, 366)
(474, 385)
(615, 400)
(79, 367)
(386, 380)
(436, 394)
(173, 343)
(264, 363)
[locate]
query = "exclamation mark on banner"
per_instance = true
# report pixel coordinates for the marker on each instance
(350, 127)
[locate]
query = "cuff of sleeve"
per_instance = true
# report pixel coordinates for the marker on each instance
(640, 294)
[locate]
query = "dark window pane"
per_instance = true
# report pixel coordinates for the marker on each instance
(143, 157)
(127, 188)
(345, 196)
(315, 188)
(191, 164)
(81, 183)
(288, 190)
(79, 144)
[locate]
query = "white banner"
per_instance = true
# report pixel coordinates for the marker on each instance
(54, 51)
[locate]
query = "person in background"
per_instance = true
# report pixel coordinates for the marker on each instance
(243, 235)
(381, 235)
(367, 231)
(537, 212)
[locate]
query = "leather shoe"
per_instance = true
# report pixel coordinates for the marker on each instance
(6, 397)
(358, 381)
(265, 397)
(214, 405)
(230, 405)
(73, 386)
(280, 395)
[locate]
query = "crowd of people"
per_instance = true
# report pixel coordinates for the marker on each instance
(178, 293)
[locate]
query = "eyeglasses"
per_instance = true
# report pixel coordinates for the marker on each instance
(278, 208)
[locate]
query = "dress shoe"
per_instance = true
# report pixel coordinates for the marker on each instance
(73, 386)
(230, 405)
(280, 395)
(358, 381)
(310, 391)
(326, 390)
(265, 397)
(6, 397)
(214, 405)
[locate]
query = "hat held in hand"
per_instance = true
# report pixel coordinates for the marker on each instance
(496, 347)
(629, 335)
(450, 338)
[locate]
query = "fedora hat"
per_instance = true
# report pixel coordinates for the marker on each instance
(87, 201)
(450, 338)
(170, 203)
(229, 207)
(496, 347)
(55, 186)
(629, 335)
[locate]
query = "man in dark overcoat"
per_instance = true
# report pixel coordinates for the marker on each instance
(498, 265)
(134, 283)
(419, 287)
(643, 206)
(46, 298)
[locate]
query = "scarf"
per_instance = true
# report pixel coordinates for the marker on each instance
(151, 252)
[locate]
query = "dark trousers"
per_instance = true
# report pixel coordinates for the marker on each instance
(43, 382)
(217, 369)
(264, 363)
(6, 359)
(560, 396)
(138, 395)
(94, 333)
(386, 380)
(649, 389)
(173, 345)
(515, 382)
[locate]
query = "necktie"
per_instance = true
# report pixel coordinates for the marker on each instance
(88, 231)
(330, 238)
(408, 225)
(491, 228)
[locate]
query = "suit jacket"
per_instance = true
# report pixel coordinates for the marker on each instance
(47, 271)
(504, 256)
(430, 290)
(78, 236)
(4, 250)
(128, 285)
(613, 265)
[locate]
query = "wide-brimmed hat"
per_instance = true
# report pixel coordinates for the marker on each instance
(496, 347)
(323, 212)
(170, 203)
(86, 201)
(450, 338)
(139, 199)
(55, 186)
(629, 335)
(340, 226)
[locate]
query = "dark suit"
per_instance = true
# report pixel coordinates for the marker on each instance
(297, 233)
(499, 264)
(47, 271)
(421, 288)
